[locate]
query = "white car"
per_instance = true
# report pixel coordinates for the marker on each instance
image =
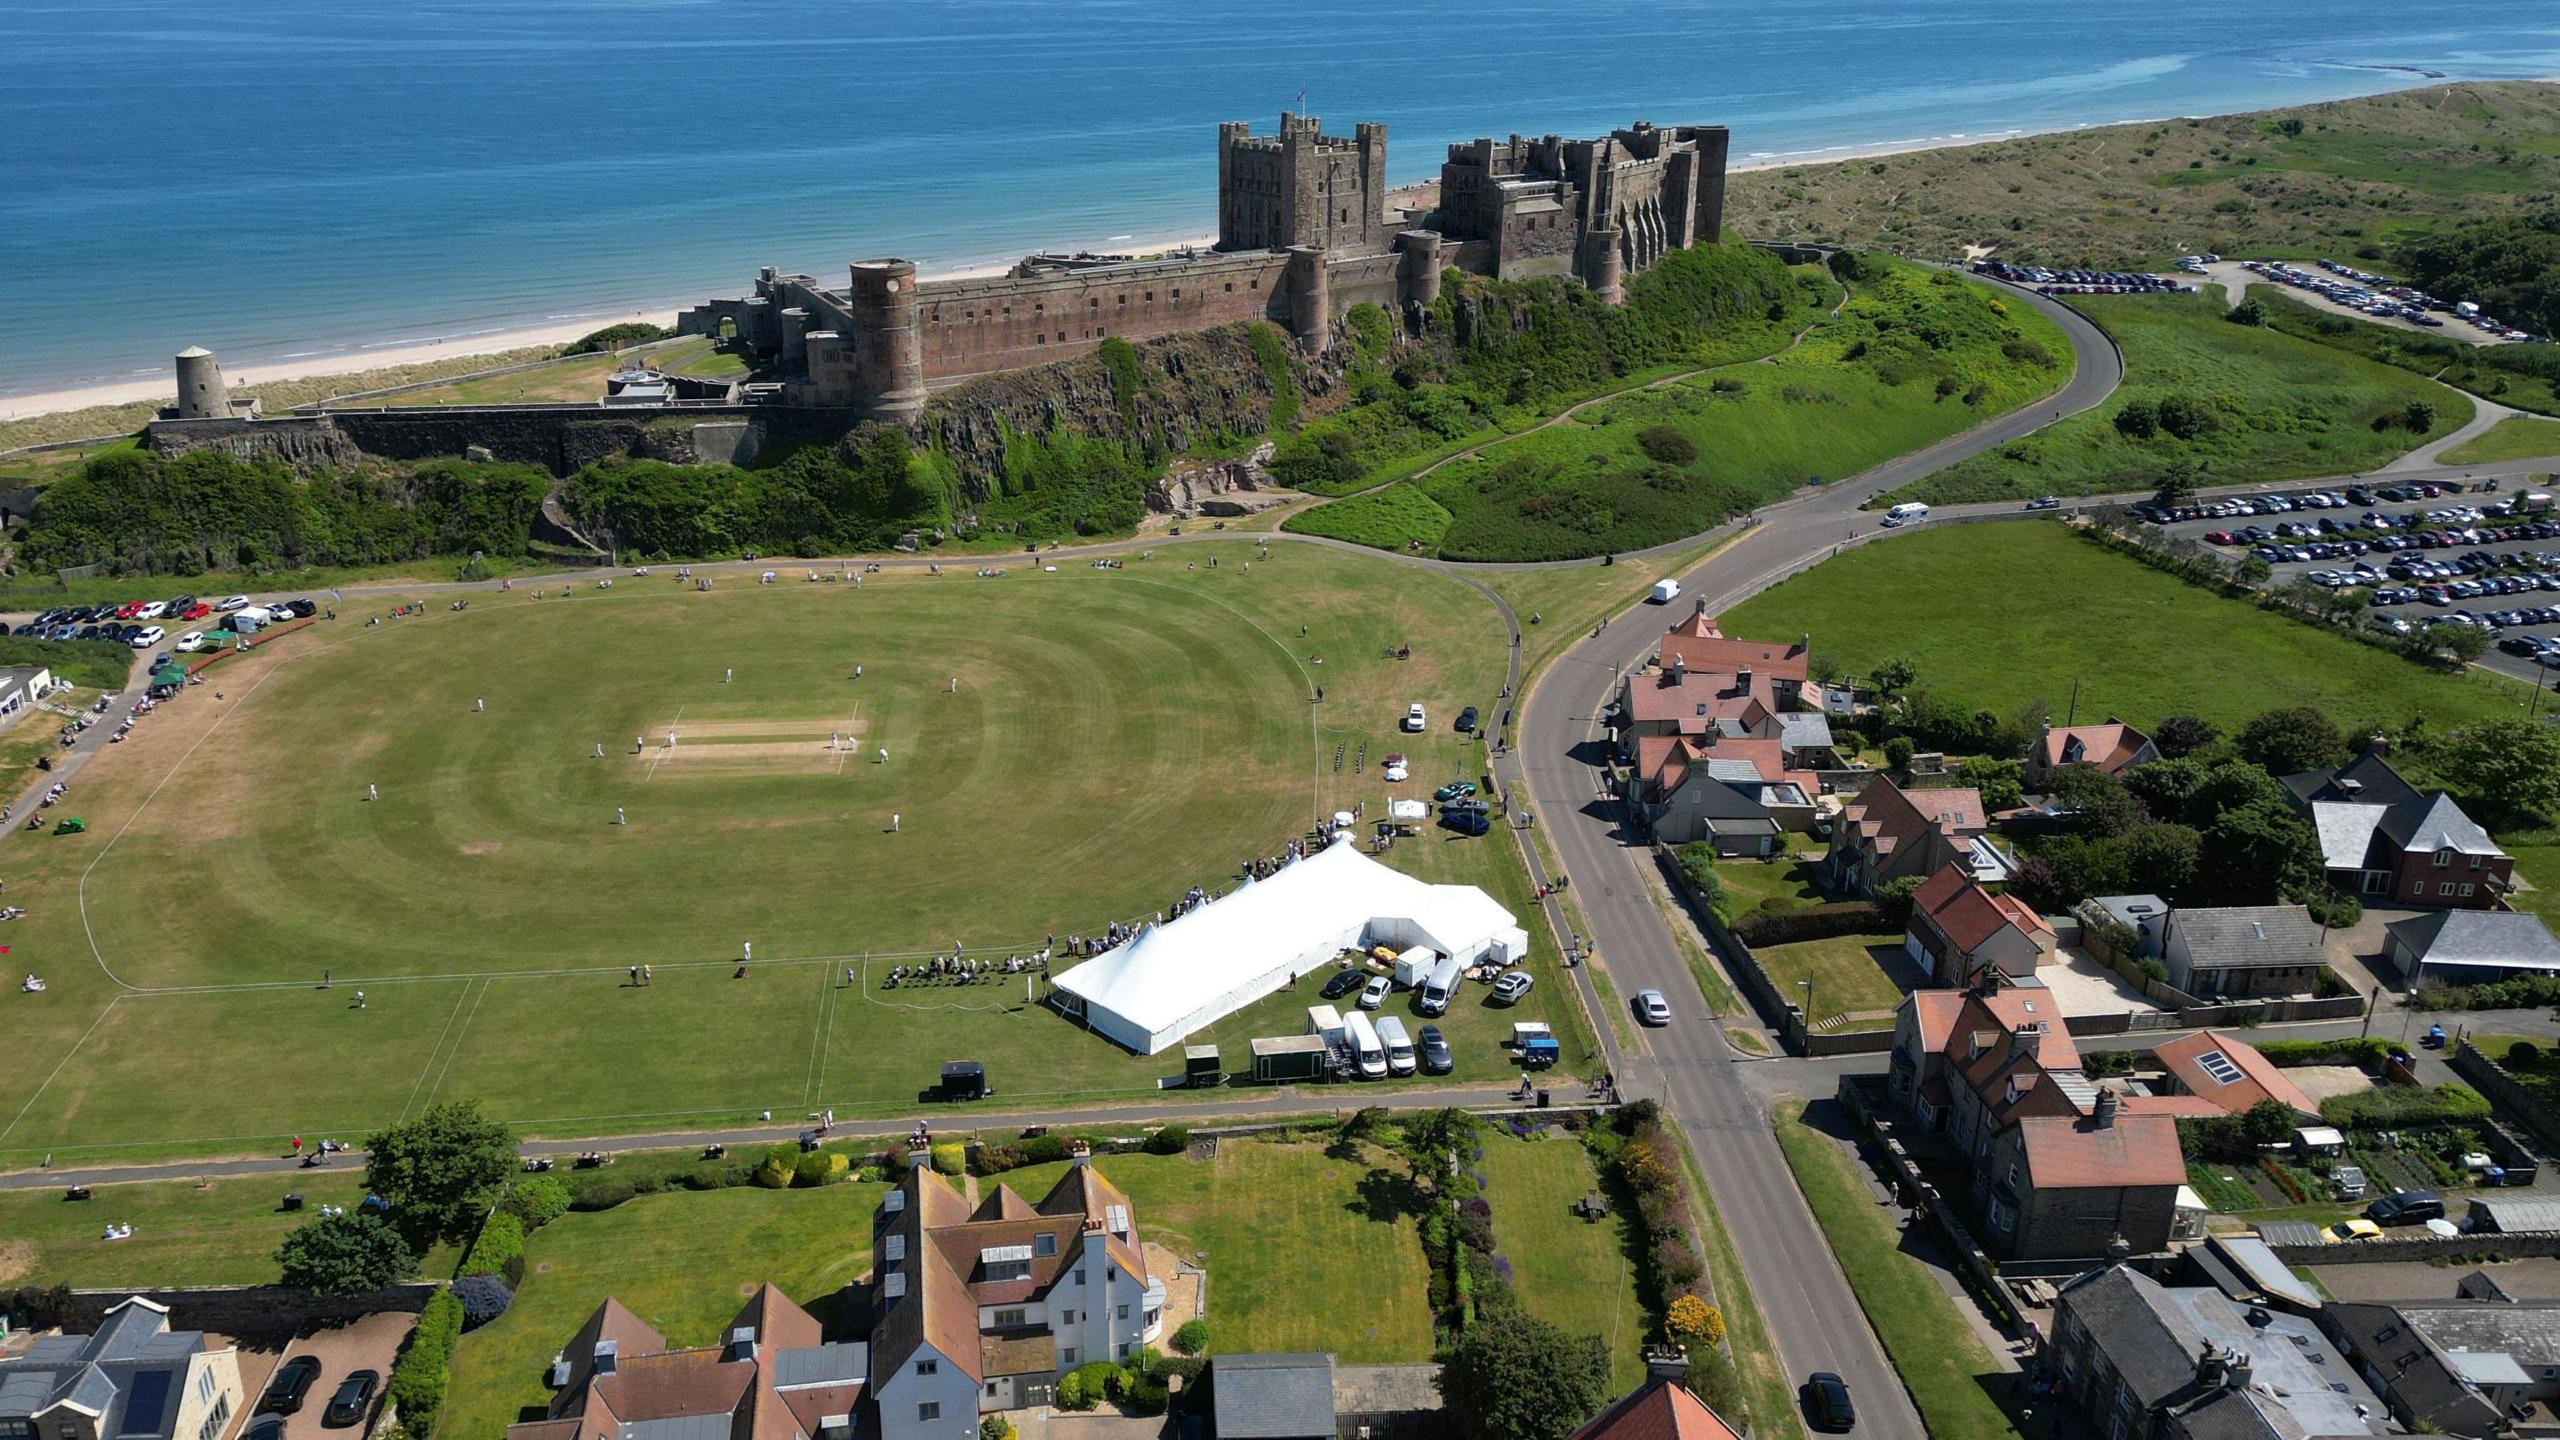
(1374, 994)
(1396, 773)
(1414, 719)
(152, 611)
(192, 641)
(1651, 1008)
(232, 602)
(149, 637)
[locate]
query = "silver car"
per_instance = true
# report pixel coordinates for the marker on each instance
(1651, 1008)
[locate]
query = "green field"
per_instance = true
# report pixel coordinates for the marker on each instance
(2518, 437)
(1575, 1274)
(2279, 408)
(185, 1232)
(1913, 357)
(2001, 615)
(2524, 377)
(1115, 738)
(1942, 1363)
(1285, 1231)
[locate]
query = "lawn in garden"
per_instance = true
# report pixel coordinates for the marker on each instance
(1577, 1275)
(1849, 974)
(1996, 616)
(1115, 737)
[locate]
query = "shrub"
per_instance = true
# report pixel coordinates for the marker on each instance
(1667, 445)
(418, 1377)
(1821, 922)
(819, 1167)
(2524, 1055)
(1169, 1140)
(483, 1298)
(995, 1427)
(614, 337)
(779, 1164)
(1088, 1385)
(948, 1157)
(1192, 1337)
(537, 1200)
(500, 1243)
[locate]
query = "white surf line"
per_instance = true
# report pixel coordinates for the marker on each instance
(57, 1069)
(432, 1055)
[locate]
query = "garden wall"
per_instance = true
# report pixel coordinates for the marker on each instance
(2506, 1096)
(1756, 982)
(2419, 1248)
(248, 1309)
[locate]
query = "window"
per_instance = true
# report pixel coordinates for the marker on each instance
(929, 1410)
(1010, 1319)
(1044, 1245)
(2444, 859)
(1125, 1348)
(2445, 889)
(2468, 888)
(928, 1367)
(1112, 1273)
(1066, 1317)
(1124, 1312)
(1079, 1277)
(1067, 1358)
(991, 1387)
(2475, 862)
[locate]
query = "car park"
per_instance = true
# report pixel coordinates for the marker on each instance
(1511, 988)
(1344, 983)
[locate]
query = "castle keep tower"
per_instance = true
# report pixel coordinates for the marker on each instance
(888, 379)
(202, 392)
(1302, 187)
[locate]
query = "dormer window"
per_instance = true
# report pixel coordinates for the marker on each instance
(2444, 859)
(1044, 1244)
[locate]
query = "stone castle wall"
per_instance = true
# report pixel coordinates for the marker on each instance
(977, 327)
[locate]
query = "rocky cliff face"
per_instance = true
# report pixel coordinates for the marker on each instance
(1191, 389)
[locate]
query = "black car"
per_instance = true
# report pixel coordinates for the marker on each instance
(291, 1382)
(1826, 1401)
(2405, 1207)
(1344, 983)
(1436, 1059)
(265, 1427)
(354, 1398)
(1467, 721)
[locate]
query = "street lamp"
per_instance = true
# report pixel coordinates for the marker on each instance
(2408, 1011)
(1808, 1002)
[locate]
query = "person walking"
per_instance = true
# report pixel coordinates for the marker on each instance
(884, 754)
(359, 999)
(648, 975)
(728, 675)
(370, 793)
(480, 706)
(893, 822)
(635, 975)
(617, 815)
(955, 686)
(746, 951)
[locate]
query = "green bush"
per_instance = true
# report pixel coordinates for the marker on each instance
(995, 1427)
(950, 1157)
(2397, 1107)
(500, 1244)
(2366, 1051)
(1667, 445)
(779, 1165)
(1169, 1140)
(615, 337)
(537, 1200)
(1088, 1385)
(418, 1377)
(819, 1167)
(1192, 1337)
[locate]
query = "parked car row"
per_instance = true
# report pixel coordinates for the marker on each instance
(129, 623)
(292, 1383)
(2376, 296)
(2078, 282)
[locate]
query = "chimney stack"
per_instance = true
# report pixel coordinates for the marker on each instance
(2107, 1103)
(2211, 1370)
(1079, 1152)
(2237, 1369)
(1666, 1362)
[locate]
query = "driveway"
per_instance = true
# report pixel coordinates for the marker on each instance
(2082, 986)
(365, 1344)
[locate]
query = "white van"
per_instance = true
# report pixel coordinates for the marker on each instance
(1442, 986)
(1665, 591)
(1399, 1045)
(1365, 1049)
(1911, 513)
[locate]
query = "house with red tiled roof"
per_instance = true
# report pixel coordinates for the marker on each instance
(1662, 1408)
(2229, 1073)
(1696, 644)
(982, 1308)
(2052, 1153)
(1889, 832)
(773, 1376)
(2114, 747)
(1959, 929)
(1735, 793)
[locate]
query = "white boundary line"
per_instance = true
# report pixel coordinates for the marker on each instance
(57, 1070)
(434, 1054)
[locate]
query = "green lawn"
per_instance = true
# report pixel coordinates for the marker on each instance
(2000, 615)
(2538, 861)
(1942, 1363)
(1861, 389)
(2518, 437)
(2279, 407)
(1849, 974)
(2519, 376)
(219, 1232)
(683, 1261)
(1793, 880)
(580, 378)
(1575, 1274)
(233, 858)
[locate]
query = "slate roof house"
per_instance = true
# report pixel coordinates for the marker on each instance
(2229, 1072)
(2383, 838)
(1889, 832)
(1270, 1397)
(982, 1309)
(134, 1379)
(772, 1377)
(1958, 930)
(2114, 747)
(2243, 950)
(2470, 947)
(2061, 1166)
(2145, 1361)
(1736, 793)
(2460, 1365)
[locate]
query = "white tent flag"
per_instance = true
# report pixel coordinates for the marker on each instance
(1182, 976)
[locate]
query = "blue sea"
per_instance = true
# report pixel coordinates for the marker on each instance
(290, 178)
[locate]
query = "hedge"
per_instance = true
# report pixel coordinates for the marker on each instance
(2396, 1107)
(500, 1244)
(775, 1171)
(418, 1376)
(537, 1200)
(2353, 1050)
(1821, 922)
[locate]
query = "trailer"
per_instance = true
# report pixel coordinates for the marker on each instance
(1536, 1044)
(1415, 966)
(1280, 1059)
(964, 1080)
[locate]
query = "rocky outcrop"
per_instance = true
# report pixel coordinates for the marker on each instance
(306, 444)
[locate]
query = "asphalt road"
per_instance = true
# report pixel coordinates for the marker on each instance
(1812, 1314)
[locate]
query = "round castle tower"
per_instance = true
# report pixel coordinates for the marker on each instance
(889, 340)
(202, 393)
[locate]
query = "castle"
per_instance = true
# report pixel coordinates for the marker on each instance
(1304, 232)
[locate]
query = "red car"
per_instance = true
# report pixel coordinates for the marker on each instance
(2220, 537)
(197, 611)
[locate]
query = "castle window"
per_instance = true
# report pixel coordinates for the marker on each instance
(1123, 300)
(1151, 295)
(1231, 287)
(1177, 292)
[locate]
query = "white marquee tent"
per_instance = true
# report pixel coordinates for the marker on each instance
(1176, 978)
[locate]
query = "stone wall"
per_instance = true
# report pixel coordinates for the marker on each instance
(2509, 1098)
(975, 327)
(248, 1310)
(1766, 997)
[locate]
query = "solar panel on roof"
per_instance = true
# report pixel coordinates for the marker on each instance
(146, 1403)
(2218, 1066)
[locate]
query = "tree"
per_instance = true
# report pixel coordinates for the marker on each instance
(2247, 312)
(2099, 804)
(2465, 643)
(2183, 735)
(2161, 859)
(2138, 420)
(2420, 416)
(1893, 899)
(2184, 416)
(2507, 770)
(345, 1254)
(1895, 675)
(438, 1171)
(1512, 1376)
(2177, 485)
(1898, 752)
(1192, 1337)
(1998, 780)
(2291, 740)
(1691, 1321)
(2255, 854)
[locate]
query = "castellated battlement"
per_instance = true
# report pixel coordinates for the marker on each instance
(1303, 234)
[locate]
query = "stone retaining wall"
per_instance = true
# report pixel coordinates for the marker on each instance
(248, 1309)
